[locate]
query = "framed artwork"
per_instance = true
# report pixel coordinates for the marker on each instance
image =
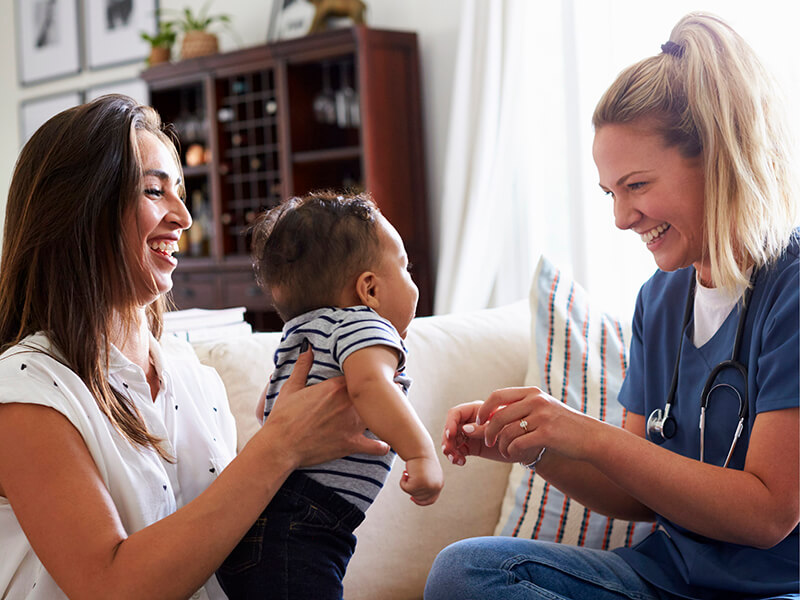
(47, 39)
(112, 30)
(33, 113)
(290, 19)
(135, 88)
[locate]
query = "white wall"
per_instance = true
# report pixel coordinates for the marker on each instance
(435, 22)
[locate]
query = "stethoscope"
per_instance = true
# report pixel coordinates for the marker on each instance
(661, 425)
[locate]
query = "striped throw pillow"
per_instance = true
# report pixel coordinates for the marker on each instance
(579, 355)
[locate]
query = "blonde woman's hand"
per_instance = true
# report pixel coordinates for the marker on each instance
(463, 435)
(547, 422)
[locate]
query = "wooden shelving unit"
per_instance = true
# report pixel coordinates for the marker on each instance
(337, 110)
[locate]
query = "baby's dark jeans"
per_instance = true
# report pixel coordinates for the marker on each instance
(298, 548)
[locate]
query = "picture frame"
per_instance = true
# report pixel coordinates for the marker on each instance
(112, 31)
(290, 19)
(47, 40)
(135, 88)
(34, 112)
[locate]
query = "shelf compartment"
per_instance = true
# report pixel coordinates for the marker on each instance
(324, 102)
(184, 109)
(343, 176)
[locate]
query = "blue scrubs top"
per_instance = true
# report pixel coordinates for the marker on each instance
(672, 558)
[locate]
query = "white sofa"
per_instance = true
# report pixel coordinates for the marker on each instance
(452, 359)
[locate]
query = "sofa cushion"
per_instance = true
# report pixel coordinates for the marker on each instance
(578, 354)
(244, 363)
(451, 359)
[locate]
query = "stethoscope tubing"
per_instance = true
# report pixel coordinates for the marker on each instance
(662, 424)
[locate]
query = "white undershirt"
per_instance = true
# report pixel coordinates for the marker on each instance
(711, 307)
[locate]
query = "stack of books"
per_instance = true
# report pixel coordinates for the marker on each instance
(201, 325)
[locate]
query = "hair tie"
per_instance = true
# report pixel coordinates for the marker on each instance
(672, 48)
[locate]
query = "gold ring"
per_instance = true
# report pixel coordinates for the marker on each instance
(524, 424)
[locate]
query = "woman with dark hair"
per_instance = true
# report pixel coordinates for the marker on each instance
(693, 149)
(117, 466)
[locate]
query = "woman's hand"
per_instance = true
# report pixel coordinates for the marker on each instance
(464, 436)
(548, 424)
(492, 429)
(317, 423)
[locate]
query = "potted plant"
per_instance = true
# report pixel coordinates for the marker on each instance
(160, 43)
(197, 40)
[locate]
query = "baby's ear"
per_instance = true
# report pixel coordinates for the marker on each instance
(366, 289)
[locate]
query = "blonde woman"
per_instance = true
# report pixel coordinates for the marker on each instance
(117, 466)
(692, 149)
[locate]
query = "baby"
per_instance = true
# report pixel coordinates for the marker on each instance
(339, 277)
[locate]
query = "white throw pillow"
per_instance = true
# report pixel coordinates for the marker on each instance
(244, 363)
(578, 354)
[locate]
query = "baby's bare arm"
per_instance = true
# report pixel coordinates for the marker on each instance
(386, 411)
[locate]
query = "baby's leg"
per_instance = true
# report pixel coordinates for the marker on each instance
(299, 547)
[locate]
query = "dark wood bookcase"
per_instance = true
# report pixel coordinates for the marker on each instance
(336, 110)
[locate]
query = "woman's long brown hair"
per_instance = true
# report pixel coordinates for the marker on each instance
(65, 269)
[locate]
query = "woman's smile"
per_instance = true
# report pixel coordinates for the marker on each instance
(165, 248)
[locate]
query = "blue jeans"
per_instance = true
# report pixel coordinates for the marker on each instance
(504, 568)
(298, 548)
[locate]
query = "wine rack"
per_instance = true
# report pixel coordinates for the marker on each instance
(337, 110)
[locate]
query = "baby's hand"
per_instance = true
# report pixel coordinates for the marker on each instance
(422, 480)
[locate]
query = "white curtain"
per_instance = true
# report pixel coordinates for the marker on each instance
(519, 179)
(496, 201)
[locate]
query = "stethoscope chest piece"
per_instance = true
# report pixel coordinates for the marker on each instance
(661, 426)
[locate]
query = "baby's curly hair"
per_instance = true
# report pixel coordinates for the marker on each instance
(306, 250)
